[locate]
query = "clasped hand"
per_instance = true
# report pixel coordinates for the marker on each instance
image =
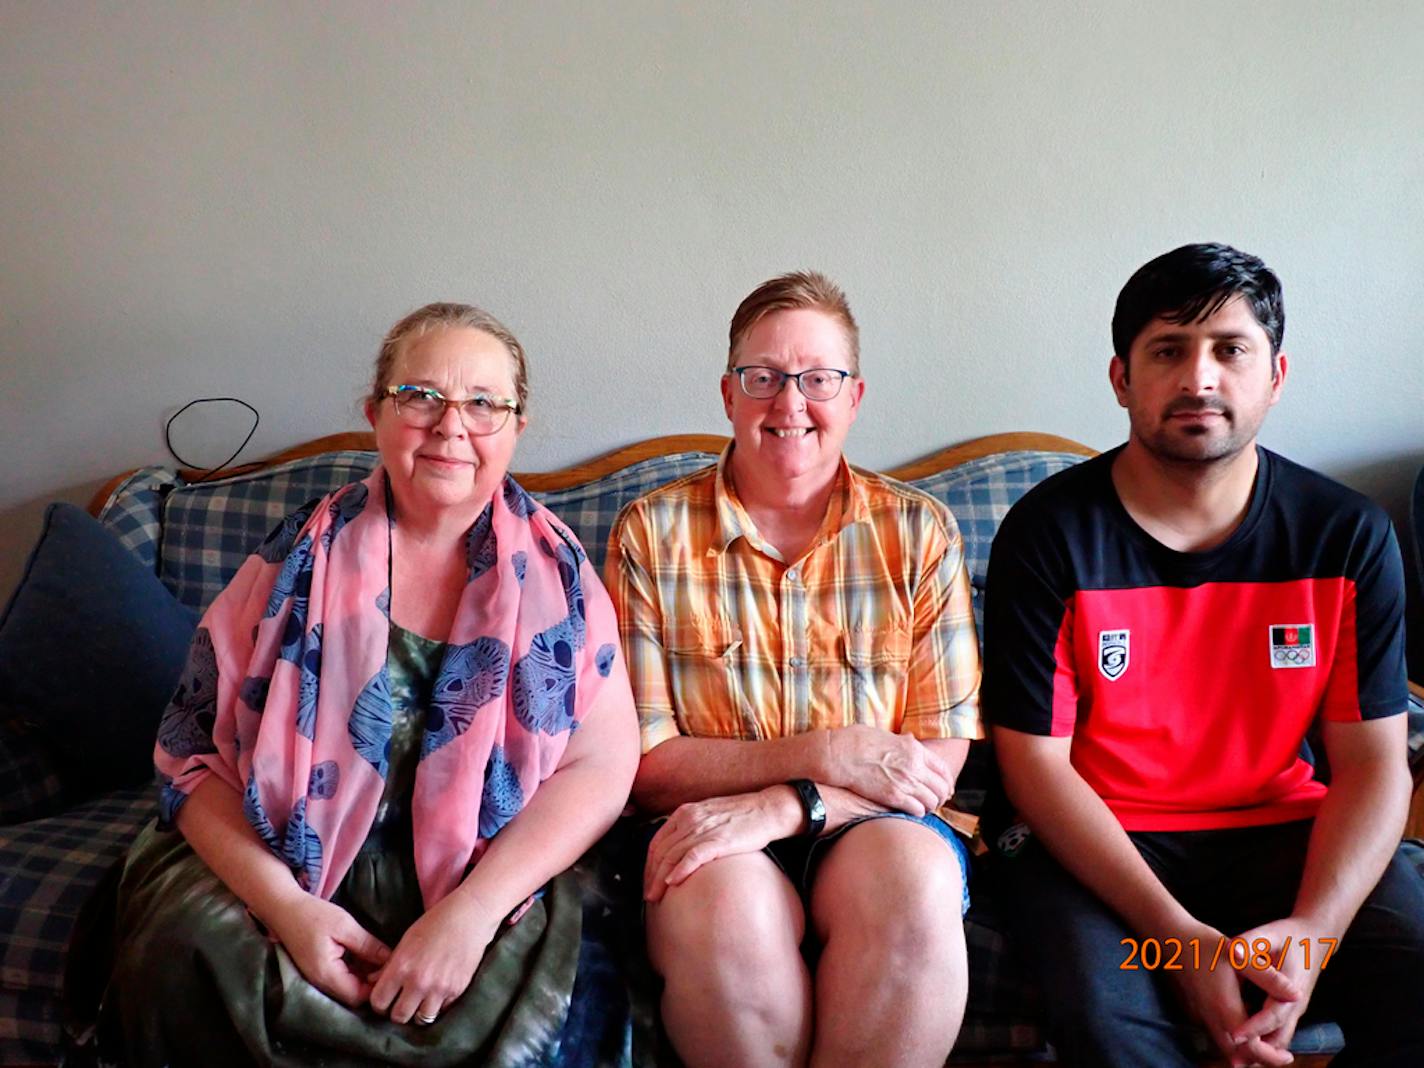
(430, 967)
(893, 770)
(1214, 994)
(700, 832)
(1289, 941)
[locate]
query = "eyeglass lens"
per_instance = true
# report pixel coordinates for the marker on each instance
(818, 383)
(424, 410)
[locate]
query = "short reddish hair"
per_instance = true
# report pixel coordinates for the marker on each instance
(797, 290)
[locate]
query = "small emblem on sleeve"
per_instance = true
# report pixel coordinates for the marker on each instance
(1292, 645)
(1113, 652)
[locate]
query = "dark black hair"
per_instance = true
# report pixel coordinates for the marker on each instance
(1190, 284)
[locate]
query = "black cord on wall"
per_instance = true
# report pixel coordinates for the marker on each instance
(212, 471)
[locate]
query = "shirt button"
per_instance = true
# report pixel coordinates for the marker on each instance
(793, 575)
(798, 662)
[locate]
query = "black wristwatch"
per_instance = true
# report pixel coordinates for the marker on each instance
(812, 805)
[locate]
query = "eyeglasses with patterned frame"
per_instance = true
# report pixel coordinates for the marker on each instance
(815, 383)
(423, 407)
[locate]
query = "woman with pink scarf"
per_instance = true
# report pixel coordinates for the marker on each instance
(400, 724)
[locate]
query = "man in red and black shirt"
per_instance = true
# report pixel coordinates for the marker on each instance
(1164, 625)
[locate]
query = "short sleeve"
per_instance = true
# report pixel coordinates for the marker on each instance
(1368, 678)
(1030, 682)
(942, 698)
(634, 594)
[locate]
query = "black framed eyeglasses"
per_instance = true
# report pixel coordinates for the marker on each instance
(816, 383)
(423, 407)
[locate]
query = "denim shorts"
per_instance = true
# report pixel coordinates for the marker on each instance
(800, 858)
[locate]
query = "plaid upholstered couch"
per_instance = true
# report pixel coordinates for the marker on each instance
(193, 535)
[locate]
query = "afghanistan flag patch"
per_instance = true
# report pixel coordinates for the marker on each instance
(1292, 645)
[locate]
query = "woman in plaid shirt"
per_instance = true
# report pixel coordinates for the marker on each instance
(801, 647)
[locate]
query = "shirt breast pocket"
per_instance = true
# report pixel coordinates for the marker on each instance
(705, 664)
(877, 664)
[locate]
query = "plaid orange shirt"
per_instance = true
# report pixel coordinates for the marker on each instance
(724, 639)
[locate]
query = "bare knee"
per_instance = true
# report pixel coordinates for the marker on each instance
(726, 942)
(738, 915)
(893, 883)
(892, 981)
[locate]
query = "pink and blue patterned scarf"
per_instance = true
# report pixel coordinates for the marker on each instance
(285, 695)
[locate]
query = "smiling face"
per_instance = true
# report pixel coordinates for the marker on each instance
(1198, 392)
(445, 466)
(786, 440)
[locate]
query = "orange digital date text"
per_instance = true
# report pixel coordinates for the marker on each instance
(1175, 955)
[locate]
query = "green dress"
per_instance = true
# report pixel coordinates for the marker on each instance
(196, 980)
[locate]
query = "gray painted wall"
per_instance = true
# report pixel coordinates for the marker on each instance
(213, 198)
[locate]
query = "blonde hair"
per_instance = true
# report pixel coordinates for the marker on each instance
(446, 316)
(797, 290)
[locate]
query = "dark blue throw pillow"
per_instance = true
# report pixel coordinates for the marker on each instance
(91, 645)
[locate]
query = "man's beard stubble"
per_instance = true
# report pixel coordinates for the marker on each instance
(1196, 444)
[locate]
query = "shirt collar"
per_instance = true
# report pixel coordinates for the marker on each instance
(851, 506)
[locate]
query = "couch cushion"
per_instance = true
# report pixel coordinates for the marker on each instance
(48, 869)
(31, 1027)
(590, 510)
(1002, 1012)
(133, 512)
(209, 528)
(90, 649)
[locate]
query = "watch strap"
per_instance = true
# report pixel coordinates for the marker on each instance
(812, 804)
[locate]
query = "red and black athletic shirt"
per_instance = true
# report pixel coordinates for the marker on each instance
(1188, 680)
